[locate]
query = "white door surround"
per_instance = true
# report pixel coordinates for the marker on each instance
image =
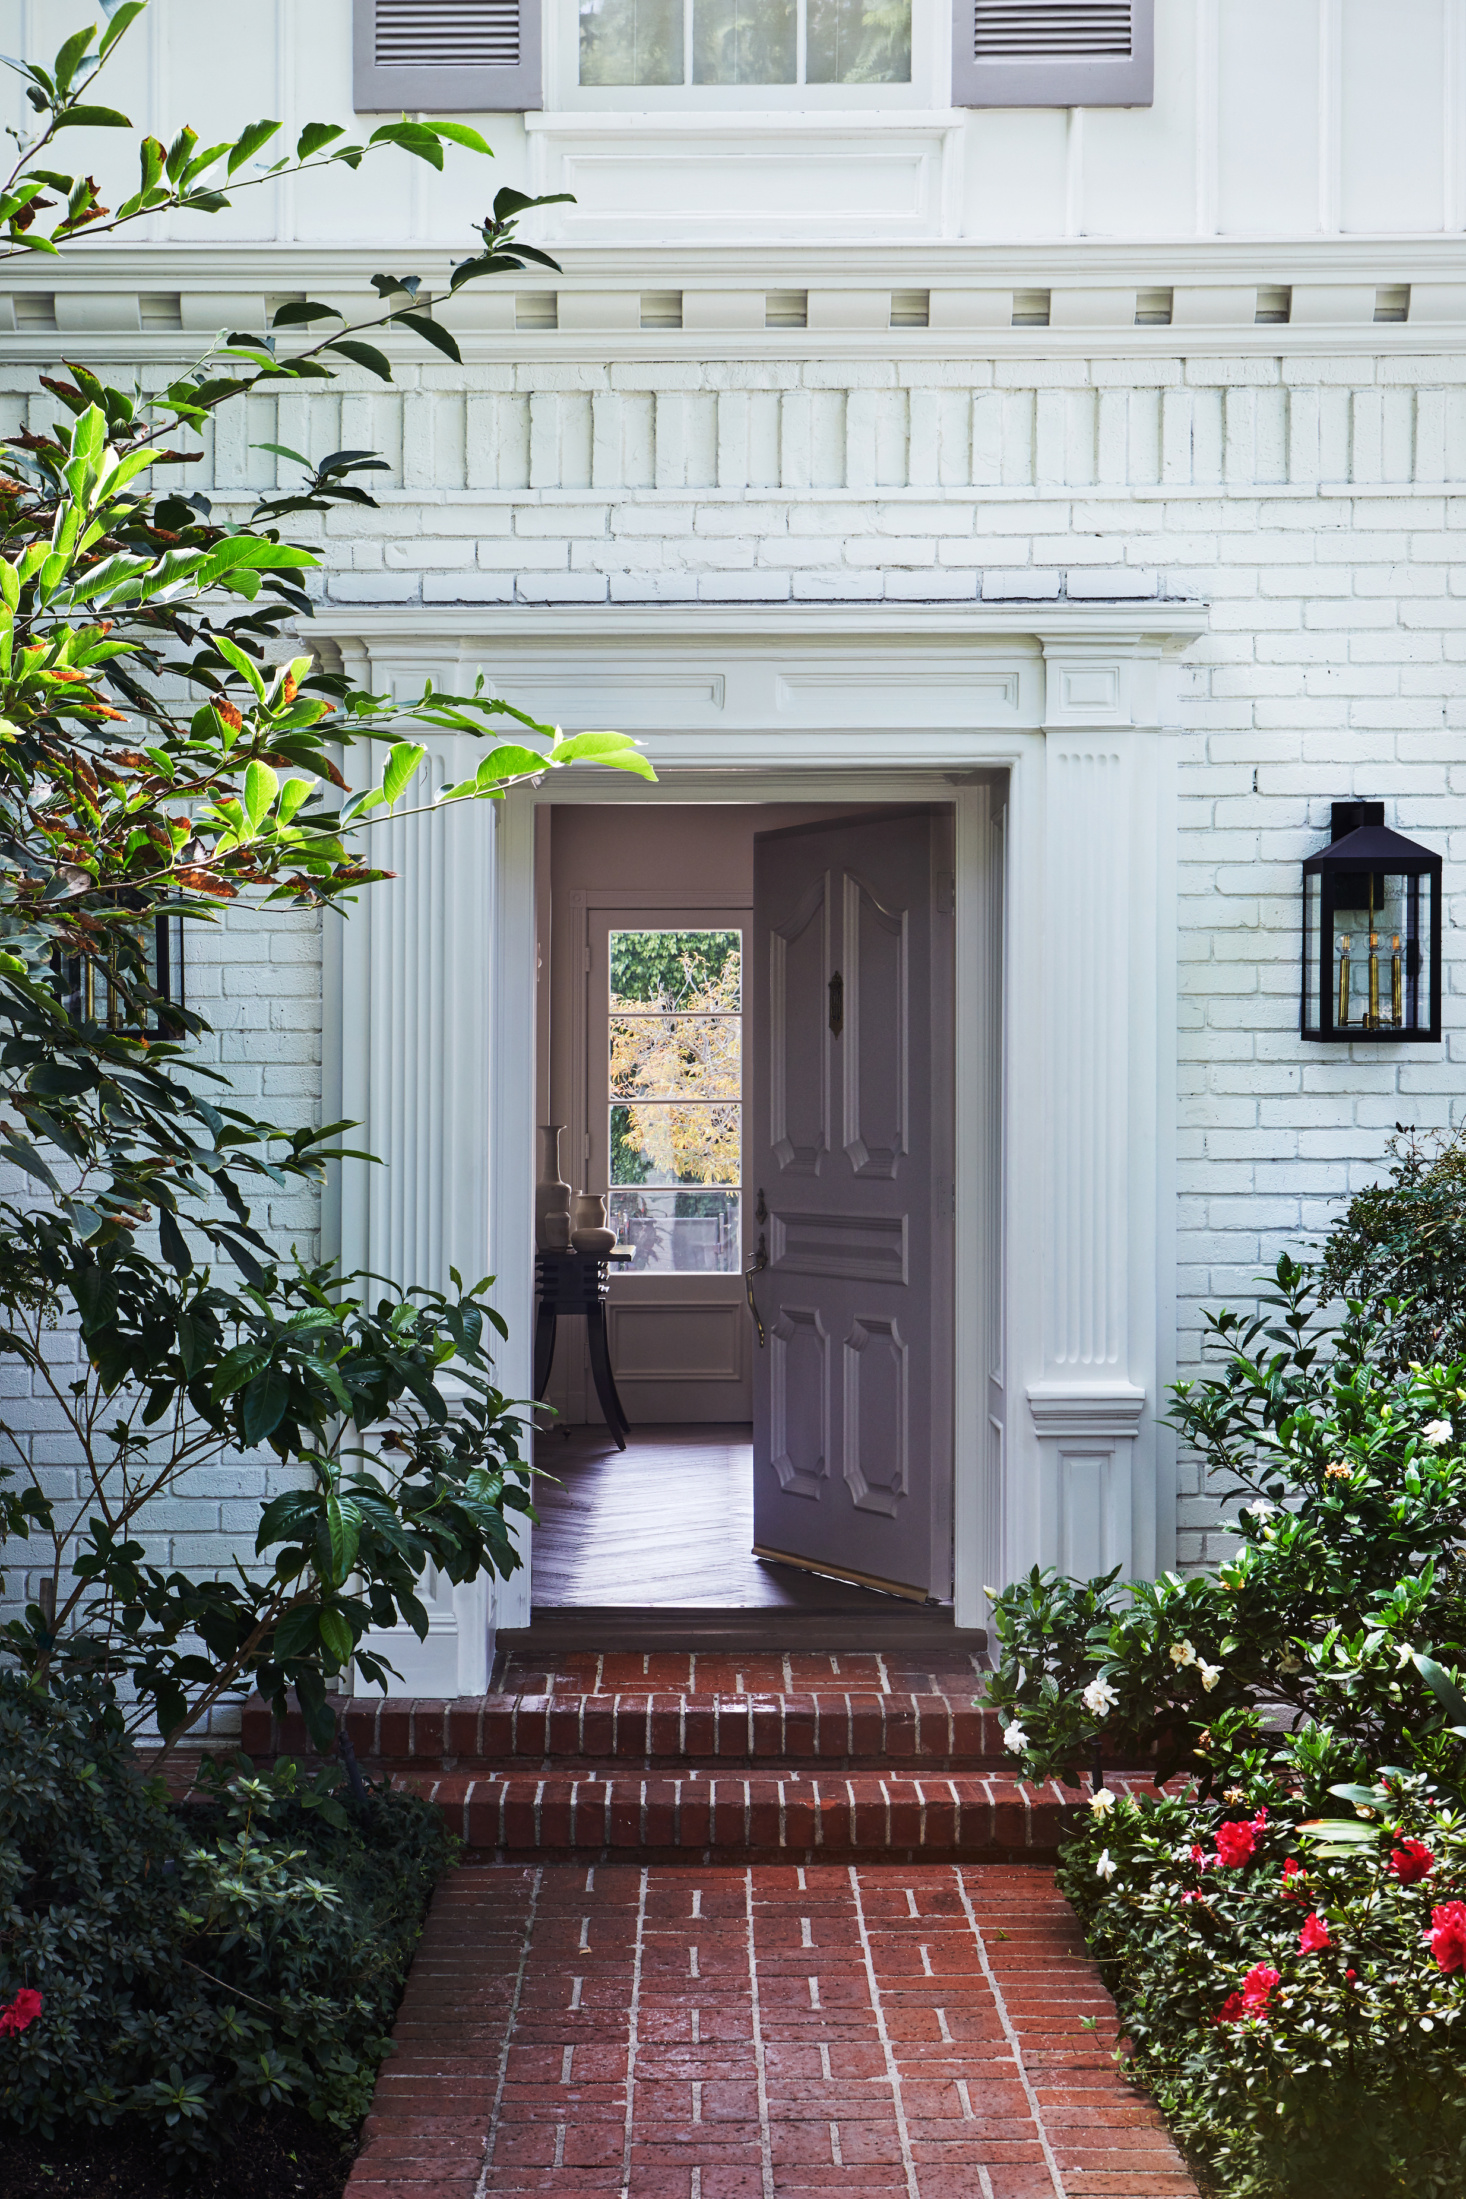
(1047, 727)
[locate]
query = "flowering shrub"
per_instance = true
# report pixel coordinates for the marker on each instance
(1294, 1997)
(1344, 1608)
(1285, 1935)
(187, 1966)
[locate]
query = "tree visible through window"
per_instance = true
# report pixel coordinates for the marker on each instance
(745, 42)
(676, 1081)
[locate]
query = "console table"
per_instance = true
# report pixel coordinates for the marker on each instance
(578, 1282)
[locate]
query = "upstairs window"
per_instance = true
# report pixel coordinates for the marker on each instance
(744, 42)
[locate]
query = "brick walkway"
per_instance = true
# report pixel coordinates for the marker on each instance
(656, 2031)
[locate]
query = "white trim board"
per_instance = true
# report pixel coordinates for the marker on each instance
(1049, 723)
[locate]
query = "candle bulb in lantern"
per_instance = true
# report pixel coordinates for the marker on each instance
(1374, 981)
(1397, 995)
(1343, 1015)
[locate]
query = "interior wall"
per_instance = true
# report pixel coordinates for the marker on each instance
(698, 852)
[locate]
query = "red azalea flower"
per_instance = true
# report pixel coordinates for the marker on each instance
(1292, 1869)
(21, 2013)
(1235, 1845)
(1314, 1937)
(1411, 1862)
(1253, 1999)
(1447, 1935)
(1200, 1858)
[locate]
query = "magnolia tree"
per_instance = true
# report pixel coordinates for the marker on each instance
(164, 750)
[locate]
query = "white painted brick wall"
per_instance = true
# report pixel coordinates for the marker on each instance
(1318, 505)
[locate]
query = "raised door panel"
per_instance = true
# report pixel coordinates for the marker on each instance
(877, 1034)
(798, 1022)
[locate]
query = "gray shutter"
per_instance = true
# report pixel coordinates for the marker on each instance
(447, 56)
(1053, 53)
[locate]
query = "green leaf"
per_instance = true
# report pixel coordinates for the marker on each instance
(92, 118)
(231, 652)
(617, 750)
(429, 330)
(297, 310)
(174, 1244)
(365, 355)
(260, 788)
(336, 1635)
(508, 762)
(1441, 1685)
(462, 133)
(249, 141)
(343, 1524)
(413, 137)
(71, 55)
(129, 12)
(402, 766)
(314, 136)
(265, 1399)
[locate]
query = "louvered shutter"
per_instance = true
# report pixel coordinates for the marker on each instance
(447, 56)
(1053, 53)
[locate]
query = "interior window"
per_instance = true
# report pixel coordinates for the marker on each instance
(675, 1079)
(745, 42)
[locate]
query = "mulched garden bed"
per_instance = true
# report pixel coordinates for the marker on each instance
(278, 2156)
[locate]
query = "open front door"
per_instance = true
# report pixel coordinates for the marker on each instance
(849, 1198)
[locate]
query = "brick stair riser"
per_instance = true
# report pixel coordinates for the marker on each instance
(836, 1731)
(762, 1818)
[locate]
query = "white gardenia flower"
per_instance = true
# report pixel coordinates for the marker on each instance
(1182, 1653)
(1102, 1801)
(1437, 1432)
(1210, 1675)
(1290, 1663)
(1015, 1740)
(1106, 1866)
(1100, 1698)
(1259, 1510)
(1404, 1655)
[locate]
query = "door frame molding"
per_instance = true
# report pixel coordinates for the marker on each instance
(1049, 728)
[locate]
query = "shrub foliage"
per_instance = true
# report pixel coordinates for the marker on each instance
(193, 1965)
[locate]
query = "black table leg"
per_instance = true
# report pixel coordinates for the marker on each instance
(600, 1367)
(544, 1347)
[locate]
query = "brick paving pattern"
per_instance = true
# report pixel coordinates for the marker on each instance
(722, 2032)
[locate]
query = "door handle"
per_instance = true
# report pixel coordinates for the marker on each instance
(756, 1266)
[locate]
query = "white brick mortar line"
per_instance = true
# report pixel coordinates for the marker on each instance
(893, 2071)
(1011, 2035)
(492, 2136)
(765, 2139)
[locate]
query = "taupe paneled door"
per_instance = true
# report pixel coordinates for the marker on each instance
(848, 1195)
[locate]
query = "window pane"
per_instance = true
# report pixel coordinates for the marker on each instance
(659, 1144)
(677, 1232)
(676, 1057)
(859, 42)
(743, 42)
(695, 972)
(631, 42)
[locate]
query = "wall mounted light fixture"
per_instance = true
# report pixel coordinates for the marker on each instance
(1371, 933)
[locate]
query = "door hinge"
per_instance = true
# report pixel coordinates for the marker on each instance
(837, 1005)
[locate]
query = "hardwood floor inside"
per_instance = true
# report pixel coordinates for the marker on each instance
(654, 1543)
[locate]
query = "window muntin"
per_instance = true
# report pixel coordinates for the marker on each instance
(737, 43)
(675, 1116)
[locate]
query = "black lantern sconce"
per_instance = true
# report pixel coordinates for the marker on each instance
(1371, 933)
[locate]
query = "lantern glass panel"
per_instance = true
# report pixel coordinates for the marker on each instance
(1312, 919)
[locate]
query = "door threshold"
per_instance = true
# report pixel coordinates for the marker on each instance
(872, 1581)
(563, 1629)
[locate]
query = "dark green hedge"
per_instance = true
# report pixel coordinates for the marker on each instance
(194, 1964)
